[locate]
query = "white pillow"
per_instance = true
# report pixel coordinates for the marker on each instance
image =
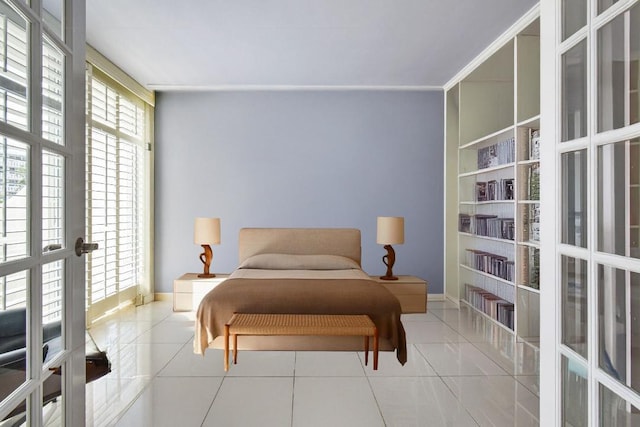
(299, 262)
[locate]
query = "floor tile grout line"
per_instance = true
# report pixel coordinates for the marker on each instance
(293, 396)
(459, 399)
(477, 345)
(147, 384)
(440, 377)
(213, 400)
(375, 398)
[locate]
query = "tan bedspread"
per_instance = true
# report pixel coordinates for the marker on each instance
(299, 296)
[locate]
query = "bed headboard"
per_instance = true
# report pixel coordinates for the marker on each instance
(303, 241)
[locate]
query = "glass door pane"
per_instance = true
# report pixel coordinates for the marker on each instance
(14, 340)
(574, 92)
(52, 92)
(14, 67)
(619, 324)
(574, 16)
(619, 198)
(618, 56)
(15, 169)
(615, 411)
(574, 304)
(605, 4)
(52, 13)
(574, 198)
(52, 309)
(575, 397)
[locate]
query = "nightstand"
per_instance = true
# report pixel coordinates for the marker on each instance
(189, 289)
(411, 291)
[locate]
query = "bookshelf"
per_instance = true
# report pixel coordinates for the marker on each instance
(492, 181)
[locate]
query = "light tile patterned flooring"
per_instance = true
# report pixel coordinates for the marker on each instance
(462, 371)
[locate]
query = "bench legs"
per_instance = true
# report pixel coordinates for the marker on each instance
(235, 349)
(376, 347)
(226, 348)
(366, 350)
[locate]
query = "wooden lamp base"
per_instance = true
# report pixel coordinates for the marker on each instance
(206, 258)
(389, 259)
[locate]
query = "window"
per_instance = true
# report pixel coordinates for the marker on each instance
(117, 178)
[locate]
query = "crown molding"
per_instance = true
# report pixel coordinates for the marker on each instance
(284, 88)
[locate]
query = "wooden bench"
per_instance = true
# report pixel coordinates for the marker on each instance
(300, 324)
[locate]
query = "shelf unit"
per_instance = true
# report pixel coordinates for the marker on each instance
(492, 123)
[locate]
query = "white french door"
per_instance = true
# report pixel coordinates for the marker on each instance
(41, 212)
(590, 341)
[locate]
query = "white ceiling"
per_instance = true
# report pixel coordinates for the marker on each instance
(173, 44)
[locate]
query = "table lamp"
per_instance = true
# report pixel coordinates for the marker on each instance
(390, 232)
(206, 232)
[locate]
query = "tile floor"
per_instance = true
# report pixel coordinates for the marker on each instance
(462, 371)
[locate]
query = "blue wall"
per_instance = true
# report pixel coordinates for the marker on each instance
(299, 159)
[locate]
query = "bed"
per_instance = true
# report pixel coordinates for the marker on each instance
(300, 271)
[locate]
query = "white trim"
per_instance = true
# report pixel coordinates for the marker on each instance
(435, 297)
(496, 45)
(103, 64)
(573, 145)
(277, 88)
(617, 135)
(617, 261)
(575, 39)
(612, 12)
(549, 295)
(162, 296)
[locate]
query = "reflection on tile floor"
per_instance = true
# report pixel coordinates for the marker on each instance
(462, 371)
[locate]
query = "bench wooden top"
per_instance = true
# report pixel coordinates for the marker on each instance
(301, 324)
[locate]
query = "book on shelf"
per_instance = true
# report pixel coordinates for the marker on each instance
(497, 154)
(492, 305)
(492, 264)
(481, 191)
(534, 268)
(492, 190)
(530, 262)
(464, 223)
(534, 182)
(534, 144)
(508, 188)
(487, 226)
(534, 222)
(495, 190)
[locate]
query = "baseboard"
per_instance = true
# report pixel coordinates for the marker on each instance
(163, 296)
(435, 297)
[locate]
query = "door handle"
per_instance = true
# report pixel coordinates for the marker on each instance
(84, 248)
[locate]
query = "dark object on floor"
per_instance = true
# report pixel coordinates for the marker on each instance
(13, 357)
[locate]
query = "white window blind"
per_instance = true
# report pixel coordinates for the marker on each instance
(116, 178)
(14, 68)
(52, 92)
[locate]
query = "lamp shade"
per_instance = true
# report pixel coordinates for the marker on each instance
(206, 231)
(390, 230)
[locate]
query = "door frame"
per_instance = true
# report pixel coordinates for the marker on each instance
(72, 356)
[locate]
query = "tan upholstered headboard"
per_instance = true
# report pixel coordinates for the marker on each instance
(303, 241)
